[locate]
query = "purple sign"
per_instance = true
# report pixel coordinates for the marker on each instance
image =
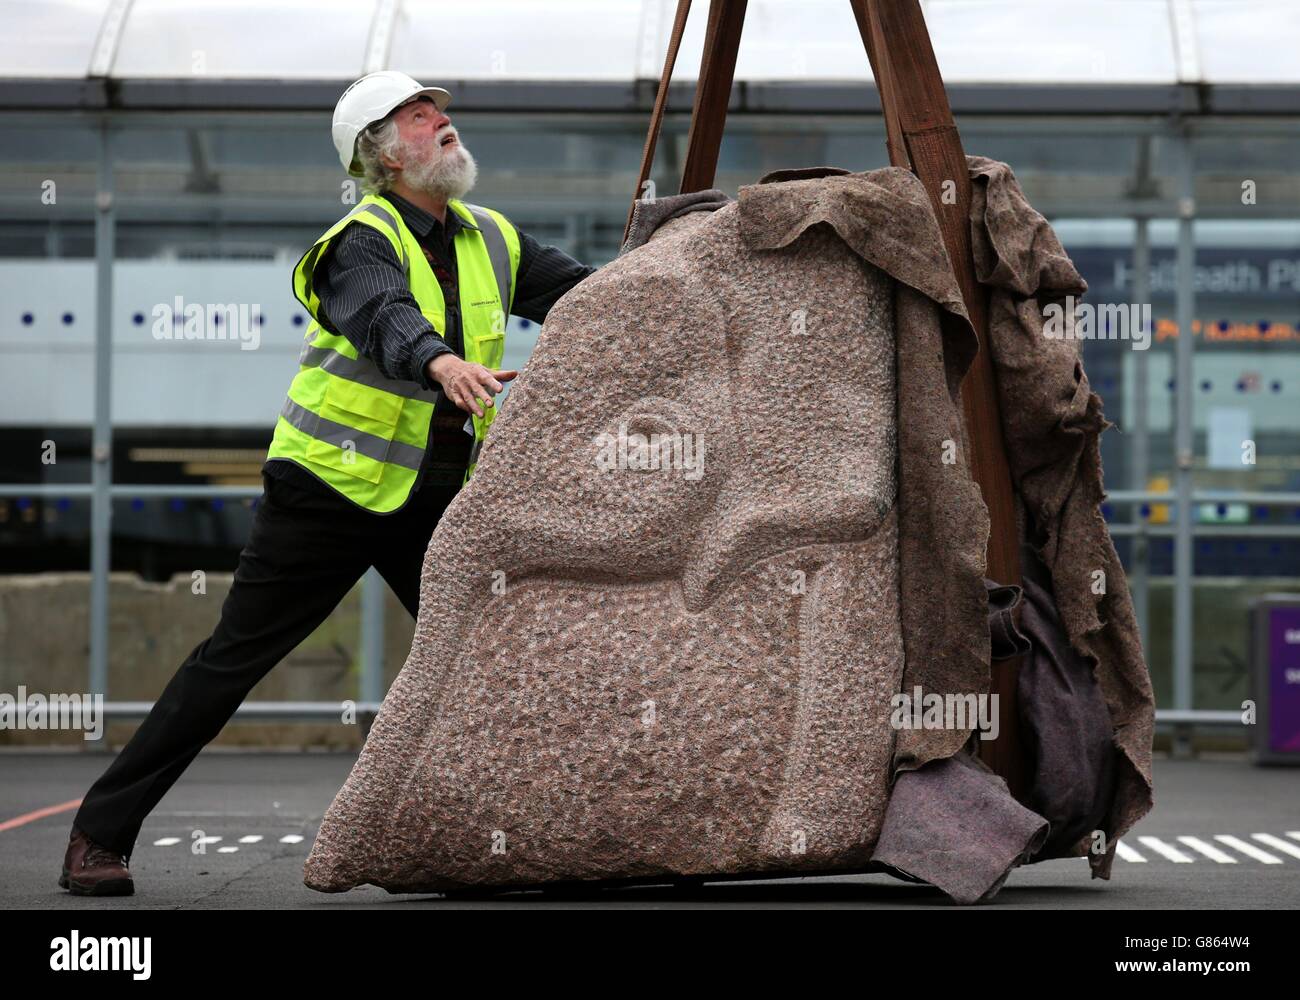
(1284, 679)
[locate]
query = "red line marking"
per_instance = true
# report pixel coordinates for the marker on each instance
(9, 824)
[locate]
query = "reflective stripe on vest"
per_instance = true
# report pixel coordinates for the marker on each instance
(497, 251)
(359, 369)
(358, 430)
(371, 445)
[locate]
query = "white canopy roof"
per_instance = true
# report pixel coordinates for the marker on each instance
(977, 41)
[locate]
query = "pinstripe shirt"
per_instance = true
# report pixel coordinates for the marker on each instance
(365, 297)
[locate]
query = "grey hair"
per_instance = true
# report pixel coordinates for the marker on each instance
(378, 140)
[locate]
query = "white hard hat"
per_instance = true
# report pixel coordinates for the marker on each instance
(371, 99)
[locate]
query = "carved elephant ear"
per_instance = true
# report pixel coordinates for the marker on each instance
(780, 367)
(809, 353)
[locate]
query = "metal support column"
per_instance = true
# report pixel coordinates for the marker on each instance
(101, 507)
(1184, 438)
(1144, 189)
(1140, 577)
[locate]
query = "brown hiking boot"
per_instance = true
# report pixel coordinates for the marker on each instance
(92, 870)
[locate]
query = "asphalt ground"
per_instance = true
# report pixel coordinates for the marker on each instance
(1241, 824)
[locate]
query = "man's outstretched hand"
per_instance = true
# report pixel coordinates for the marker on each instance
(469, 386)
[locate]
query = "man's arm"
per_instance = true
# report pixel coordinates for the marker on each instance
(545, 274)
(365, 297)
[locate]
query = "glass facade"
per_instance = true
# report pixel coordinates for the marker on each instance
(216, 204)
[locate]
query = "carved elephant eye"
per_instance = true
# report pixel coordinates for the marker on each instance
(652, 436)
(650, 423)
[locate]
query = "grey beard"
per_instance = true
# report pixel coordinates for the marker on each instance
(443, 176)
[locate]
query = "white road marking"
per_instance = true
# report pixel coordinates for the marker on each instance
(248, 838)
(1209, 850)
(1166, 850)
(1277, 843)
(1201, 847)
(1250, 850)
(1127, 853)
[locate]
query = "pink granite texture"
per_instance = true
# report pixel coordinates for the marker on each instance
(637, 672)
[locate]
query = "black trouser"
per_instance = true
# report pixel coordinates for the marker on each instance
(304, 553)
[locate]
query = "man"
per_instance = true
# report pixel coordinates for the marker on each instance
(409, 293)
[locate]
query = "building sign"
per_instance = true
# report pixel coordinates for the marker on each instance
(1284, 679)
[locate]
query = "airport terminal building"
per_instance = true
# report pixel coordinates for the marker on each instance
(161, 155)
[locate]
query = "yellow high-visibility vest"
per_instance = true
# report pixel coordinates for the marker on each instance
(351, 426)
